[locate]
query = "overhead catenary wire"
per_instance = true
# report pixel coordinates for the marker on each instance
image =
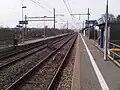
(69, 11)
(69, 5)
(46, 3)
(49, 6)
(70, 8)
(38, 4)
(66, 6)
(56, 11)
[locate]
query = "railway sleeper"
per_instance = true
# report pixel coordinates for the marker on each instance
(50, 46)
(58, 56)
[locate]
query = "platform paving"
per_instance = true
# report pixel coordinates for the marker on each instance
(95, 73)
(38, 40)
(76, 72)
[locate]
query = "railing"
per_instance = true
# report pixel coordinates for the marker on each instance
(114, 51)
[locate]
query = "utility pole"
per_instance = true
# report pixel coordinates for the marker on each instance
(67, 24)
(106, 33)
(26, 26)
(54, 17)
(45, 18)
(83, 24)
(88, 14)
(44, 27)
(88, 24)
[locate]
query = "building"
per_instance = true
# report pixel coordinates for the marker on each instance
(113, 33)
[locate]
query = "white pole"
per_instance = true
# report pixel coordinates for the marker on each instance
(106, 33)
(22, 13)
(23, 24)
(22, 28)
(44, 26)
(88, 24)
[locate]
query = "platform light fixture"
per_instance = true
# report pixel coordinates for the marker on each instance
(22, 11)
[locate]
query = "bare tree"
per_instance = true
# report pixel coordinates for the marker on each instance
(118, 18)
(111, 18)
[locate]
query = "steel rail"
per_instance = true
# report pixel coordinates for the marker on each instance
(16, 53)
(13, 85)
(21, 58)
(21, 51)
(51, 85)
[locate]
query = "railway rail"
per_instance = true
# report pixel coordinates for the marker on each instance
(24, 49)
(46, 69)
(14, 71)
(55, 79)
(24, 54)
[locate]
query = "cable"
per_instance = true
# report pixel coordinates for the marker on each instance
(38, 4)
(56, 12)
(70, 8)
(69, 5)
(46, 3)
(66, 6)
(69, 11)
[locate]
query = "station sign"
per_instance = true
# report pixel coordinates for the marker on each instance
(91, 22)
(18, 26)
(23, 22)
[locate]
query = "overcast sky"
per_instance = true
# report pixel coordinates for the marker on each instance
(11, 11)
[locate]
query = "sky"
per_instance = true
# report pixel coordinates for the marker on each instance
(11, 11)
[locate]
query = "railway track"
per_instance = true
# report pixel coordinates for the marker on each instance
(25, 53)
(43, 74)
(56, 79)
(24, 49)
(11, 73)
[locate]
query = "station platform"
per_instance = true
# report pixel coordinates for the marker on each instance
(27, 42)
(38, 40)
(91, 72)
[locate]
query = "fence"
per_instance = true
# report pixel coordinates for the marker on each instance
(114, 51)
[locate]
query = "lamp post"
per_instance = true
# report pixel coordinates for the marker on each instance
(67, 24)
(22, 12)
(23, 24)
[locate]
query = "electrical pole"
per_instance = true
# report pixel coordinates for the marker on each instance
(106, 33)
(88, 14)
(44, 27)
(54, 17)
(26, 26)
(67, 24)
(83, 24)
(88, 24)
